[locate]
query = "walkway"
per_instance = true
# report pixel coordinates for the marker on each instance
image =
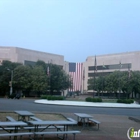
(88, 104)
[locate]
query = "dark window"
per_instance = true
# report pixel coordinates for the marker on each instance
(31, 63)
(98, 74)
(111, 67)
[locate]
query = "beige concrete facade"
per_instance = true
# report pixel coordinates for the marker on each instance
(21, 55)
(16, 54)
(131, 58)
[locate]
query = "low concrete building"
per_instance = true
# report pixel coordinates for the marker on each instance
(26, 56)
(106, 64)
(30, 57)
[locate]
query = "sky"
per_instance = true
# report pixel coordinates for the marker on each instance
(75, 29)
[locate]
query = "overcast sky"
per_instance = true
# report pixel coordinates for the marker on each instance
(73, 28)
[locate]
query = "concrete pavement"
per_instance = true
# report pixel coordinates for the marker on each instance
(111, 128)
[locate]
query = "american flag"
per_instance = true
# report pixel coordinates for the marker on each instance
(75, 71)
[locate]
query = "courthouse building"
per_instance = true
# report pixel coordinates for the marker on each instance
(80, 72)
(105, 64)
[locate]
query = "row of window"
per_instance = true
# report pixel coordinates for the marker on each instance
(110, 67)
(32, 63)
(98, 74)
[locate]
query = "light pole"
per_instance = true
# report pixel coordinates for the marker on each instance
(11, 86)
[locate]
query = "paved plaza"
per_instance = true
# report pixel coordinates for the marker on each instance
(112, 127)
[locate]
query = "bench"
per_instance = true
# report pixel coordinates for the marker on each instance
(95, 121)
(35, 118)
(16, 134)
(30, 128)
(8, 118)
(9, 129)
(57, 132)
(70, 119)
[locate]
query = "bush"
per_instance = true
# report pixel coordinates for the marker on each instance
(89, 99)
(126, 101)
(50, 97)
(11, 96)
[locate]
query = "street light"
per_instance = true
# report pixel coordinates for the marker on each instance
(11, 87)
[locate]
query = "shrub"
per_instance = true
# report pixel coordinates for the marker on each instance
(43, 96)
(126, 101)
(50, 97)
(89, 99)
(11, 96)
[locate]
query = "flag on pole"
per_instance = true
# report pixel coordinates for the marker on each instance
(129, 74)
(104, 66)
(84, 74)
(120, 65)
(48, 71)
(95, 64)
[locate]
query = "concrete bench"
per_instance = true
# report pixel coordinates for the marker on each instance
(30, 128)
(8, 118)
(9, 129)
(35, 118)
(16, 134)
(57, 132)
(95, 121)
(70, 119)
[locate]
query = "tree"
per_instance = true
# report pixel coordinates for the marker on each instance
(58, 80)
(42, 64)
(39, 82)
(65, 81)
(5, 75)
(22, 79)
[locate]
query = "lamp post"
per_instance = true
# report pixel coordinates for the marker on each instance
(11, 86)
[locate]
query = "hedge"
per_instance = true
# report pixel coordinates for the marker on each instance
(89, 99)
(50, 97)
(126, 101)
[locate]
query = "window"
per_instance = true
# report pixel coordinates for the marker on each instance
(111, 67)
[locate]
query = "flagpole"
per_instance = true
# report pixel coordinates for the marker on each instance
(119, 78)
(102, 78)
(83, 79)
(128, 77)
(48, 72)
(95, 69)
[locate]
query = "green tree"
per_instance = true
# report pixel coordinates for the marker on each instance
(39, 82)
(58, 79)
(5, 75)
(22, 79)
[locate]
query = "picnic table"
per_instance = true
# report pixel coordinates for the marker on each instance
(83, 119)
(24, 115)
(55, 123)
(16, 125)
